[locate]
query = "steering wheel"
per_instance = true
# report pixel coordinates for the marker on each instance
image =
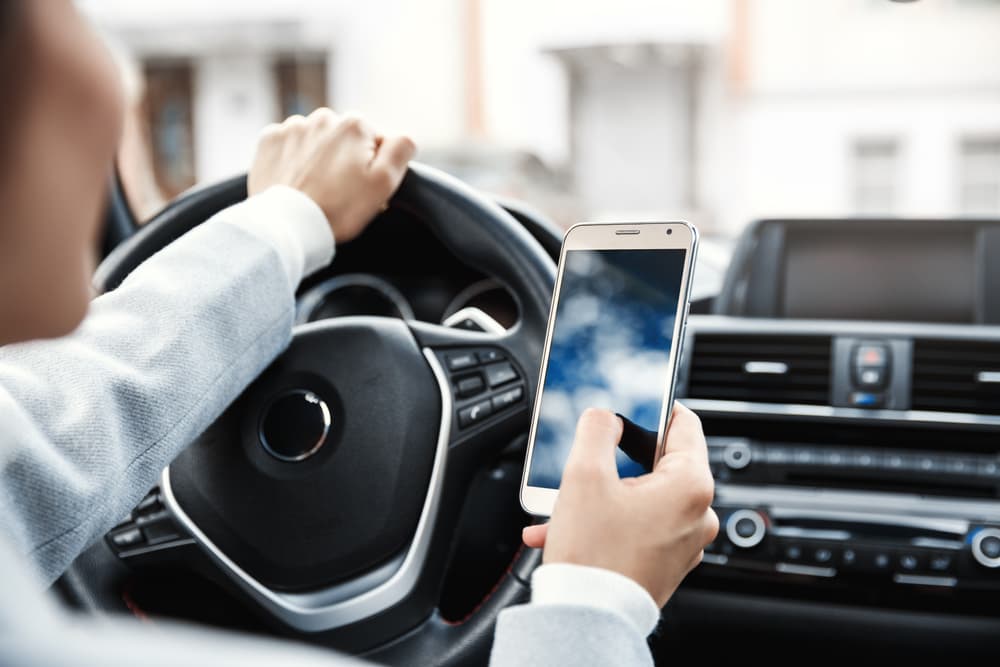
(328, 494)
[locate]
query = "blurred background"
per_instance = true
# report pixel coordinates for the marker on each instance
(716, 111)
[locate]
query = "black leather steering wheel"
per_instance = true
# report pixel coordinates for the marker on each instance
(327, 495)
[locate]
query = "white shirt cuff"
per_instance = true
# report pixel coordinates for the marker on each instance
(597, 588)
(290, 222)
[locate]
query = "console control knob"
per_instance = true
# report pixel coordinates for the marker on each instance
(736, 455)
(745, 528)
(986, 547)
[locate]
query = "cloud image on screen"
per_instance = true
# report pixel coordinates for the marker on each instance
(610, 349)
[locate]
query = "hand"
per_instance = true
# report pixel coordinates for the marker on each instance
(652, 528)
(340, 162)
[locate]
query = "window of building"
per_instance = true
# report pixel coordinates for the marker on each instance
(301, 84)
(169, 117)
(875, 169)
(979, 174)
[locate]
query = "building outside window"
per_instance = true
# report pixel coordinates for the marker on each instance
(876, 175)
(979, 174)
(301, 82)
(169, 117)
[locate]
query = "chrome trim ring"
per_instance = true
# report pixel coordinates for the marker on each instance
(356, 599)
(310, 397)
(749, 541)
(977, 548)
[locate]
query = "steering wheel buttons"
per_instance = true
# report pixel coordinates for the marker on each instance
(501, 373)
(127, 538)
(508, 398)
(475, 413)
(470, 386)
(461, 360)
(488, 356)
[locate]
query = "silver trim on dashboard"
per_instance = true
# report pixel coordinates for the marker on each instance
(748, 409)
(356, 599)
(807, 570)
(765, 368)
(988, 377)
(935, 513)
(922, 580)
(977, 548)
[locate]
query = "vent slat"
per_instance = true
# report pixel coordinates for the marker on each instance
(946, 376)
(718, 372)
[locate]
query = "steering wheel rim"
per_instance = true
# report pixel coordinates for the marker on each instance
(482, 234)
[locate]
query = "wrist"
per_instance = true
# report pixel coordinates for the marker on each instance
(595, 587)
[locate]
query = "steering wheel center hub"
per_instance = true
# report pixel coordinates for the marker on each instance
(320, 471)
(295, 425)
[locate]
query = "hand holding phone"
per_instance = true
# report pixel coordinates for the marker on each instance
(613, 341)
(651, 529)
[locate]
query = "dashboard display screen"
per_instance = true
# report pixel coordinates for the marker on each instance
(610, 348)
(901, 272)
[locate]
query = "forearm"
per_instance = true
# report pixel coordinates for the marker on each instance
(97, 415)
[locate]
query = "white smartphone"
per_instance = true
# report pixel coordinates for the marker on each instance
(614, 336)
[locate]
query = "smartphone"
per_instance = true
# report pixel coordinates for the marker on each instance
(614, 337)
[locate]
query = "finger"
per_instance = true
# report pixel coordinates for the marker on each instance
(534, 536)
(685, 434)
(356, 126)
(323, 116)
(294, 122)
(390, 161)
(593, 454)
(269, 130)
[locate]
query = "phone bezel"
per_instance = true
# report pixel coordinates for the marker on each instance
(537, 500)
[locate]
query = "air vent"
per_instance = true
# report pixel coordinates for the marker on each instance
(761, 368)
(956, 376)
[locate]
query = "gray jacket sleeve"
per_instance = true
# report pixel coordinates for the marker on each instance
(88, 422)
(553, 635)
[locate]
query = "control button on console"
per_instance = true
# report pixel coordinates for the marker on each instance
(941, 562)
(737, 455)
(866, 399)
(792, 552)
(909, 561)
(475, 413)
(822, 555)
(459, 360)
(880, 561)
(871, 365)
(500, 373)
(986, 547)
(745, 528)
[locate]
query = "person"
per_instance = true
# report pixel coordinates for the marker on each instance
(97, 396)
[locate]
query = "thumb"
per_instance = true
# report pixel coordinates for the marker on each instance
(534, 536)
(593, 455)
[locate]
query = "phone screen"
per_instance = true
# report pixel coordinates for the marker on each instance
(610, 348)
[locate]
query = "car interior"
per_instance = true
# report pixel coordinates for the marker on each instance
(844, 360)
(852, 436)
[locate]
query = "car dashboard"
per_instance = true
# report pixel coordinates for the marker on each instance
(849, 385)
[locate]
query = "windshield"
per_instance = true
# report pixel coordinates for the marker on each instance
(715, 111)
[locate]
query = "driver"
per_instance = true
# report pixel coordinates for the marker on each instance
(98, 396)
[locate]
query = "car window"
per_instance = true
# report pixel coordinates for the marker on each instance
(716, 111)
